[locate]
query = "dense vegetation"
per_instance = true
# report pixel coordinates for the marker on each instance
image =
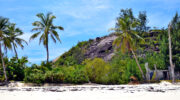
(135, 40)
(75, 55)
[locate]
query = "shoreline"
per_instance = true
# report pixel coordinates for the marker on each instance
(156, 91)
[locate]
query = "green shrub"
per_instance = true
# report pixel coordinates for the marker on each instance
(35, 74)
(54, 77)
(118, 71)
(97, 70)
(75, 74)
(123, 67)
(2, 78)
(35, 78)
(14, 68)
(133, 70)
(155, 58)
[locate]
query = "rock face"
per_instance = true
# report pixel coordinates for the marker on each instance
(101, 48)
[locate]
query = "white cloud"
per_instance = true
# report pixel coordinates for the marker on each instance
(56, 52)
(26, 36)
(111, 24)
(85, 9)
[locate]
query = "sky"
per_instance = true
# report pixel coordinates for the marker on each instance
(82, 20)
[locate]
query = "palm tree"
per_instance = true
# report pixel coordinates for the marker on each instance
(127, 36)
(14, 34)
(4, 41)
(45, 27)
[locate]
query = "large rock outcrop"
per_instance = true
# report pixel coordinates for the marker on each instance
(101, 48)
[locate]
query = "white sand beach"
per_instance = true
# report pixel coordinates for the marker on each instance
(93, 92)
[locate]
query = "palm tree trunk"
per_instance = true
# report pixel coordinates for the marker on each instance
(15, 51)
(47, 50)
(170, 56)
(4, 68)
(138, 64)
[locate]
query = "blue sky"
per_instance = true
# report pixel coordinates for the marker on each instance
(81, 19)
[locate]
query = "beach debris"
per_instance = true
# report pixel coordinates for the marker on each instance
(165, 83)
(133, 80)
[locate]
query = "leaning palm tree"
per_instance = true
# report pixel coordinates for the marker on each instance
(127, 37)
(45, 27)
(14, 34)
(4, 41)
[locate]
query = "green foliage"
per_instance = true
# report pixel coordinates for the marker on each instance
(75, 55)
(157, 39)
(123, 67)
(54, 76)
(2, 78)
(128, 37)
(142, 27)
(117, 74)
(15, 68)
(35, 78)
(14, 34)
(97, 70)
(154, 58)
(35, 74)
(42, 74)
(75, 74)
(175, 36)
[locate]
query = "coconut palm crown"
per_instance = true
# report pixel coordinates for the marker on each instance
(127, 36)
(14, 34)
(46, 28)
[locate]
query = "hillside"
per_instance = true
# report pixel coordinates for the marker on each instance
(100, 47)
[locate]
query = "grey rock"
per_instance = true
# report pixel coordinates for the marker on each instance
(101, 48)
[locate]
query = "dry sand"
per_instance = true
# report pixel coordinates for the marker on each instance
(162, 91)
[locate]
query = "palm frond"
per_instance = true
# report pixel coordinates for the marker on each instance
(3, 23)
(42, 38)
(60, 28)
(47, 19)
(51, 18)
(56, 35)
(37, 29)
(42, 18)
(15, 45)
(38, 24)
(53, 38)
(34, 36)
(20, 42)
(7, 43)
